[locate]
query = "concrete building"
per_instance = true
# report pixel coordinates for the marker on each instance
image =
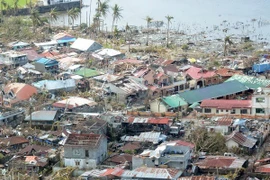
(13, 58)
(85, 150)
(168, 154)
(226, 107)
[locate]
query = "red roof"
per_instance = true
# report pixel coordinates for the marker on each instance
(226, 72)
(185, 143)
(198, 73)
(225, 121)
(225, 103)
(49, 54)
(21, 91)
(263, 169)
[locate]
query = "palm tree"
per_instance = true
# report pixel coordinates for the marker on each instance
(169, 18)
(148, 21)
(103, 10)
(73, 14)
(16, 6)
(36, 19)
(127, 29)
(227, 41)
(53, 15)
(116, 14)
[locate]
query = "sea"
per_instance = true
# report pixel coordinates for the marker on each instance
(210, 17)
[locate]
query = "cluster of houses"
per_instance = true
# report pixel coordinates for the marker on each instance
(41, 128)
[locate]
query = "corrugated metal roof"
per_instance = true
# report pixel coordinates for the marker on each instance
(46, 61)
(85, 44)
(42, 116)
(51, 85)
(215, 91)
(226, 103)
(242, 140)
(174, 101)
(146, 172)
(144, 137)
(214, 162)
(249, 81)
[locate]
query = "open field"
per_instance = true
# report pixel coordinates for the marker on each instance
(21, 3)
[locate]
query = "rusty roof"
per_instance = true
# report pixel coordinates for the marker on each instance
(147, 172)
(221, 162)
(242, 140)
(225, 121)
(131, 146)
(92, 140)
(198, 178)
(149, 120)
(263, 169)
(121, 158)
(14, 140)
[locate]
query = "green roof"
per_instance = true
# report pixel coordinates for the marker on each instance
(215, 91)
(86, 72)
(250, 81)
(174, 101)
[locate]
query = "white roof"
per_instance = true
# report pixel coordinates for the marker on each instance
(101, 54)
(76, 77)
(82, 44)
(75, 102)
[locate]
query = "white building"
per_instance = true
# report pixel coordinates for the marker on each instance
(85, 151)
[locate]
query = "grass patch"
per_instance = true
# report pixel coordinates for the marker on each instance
(21, 3)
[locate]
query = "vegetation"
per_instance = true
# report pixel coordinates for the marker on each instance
(116, 14)
(53, 15)
(210, 142)
(73, 14)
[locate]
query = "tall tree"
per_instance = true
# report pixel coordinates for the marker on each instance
(16, 7)
(227, 41)
(36, 19)
(104, 9)
(169, 19)
(148, 21)
(53, 15)
(73, 14)
(116, 14)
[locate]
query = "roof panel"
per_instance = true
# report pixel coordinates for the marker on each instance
(215, 91)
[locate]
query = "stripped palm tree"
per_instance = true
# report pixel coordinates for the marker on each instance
(169, 19)
(227, 41)
(53, 15)
(148, 21)
(116, 14)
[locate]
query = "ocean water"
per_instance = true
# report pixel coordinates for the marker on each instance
(239, 17)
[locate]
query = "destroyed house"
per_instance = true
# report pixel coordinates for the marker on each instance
(85, 150)
(144, 124)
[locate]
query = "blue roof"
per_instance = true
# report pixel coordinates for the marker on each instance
(66, 40)
(215, 91)
(46, 61)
